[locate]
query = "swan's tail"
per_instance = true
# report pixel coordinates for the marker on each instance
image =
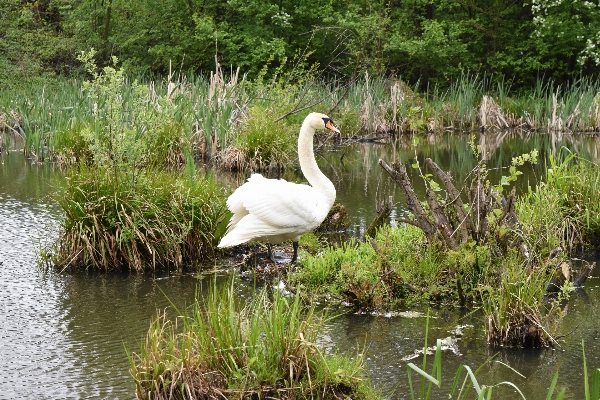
(231, 239)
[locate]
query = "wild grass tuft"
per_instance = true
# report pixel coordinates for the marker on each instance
(572, 192)
(224, 350)
(153, 222)
(515, 311)
(261, 143)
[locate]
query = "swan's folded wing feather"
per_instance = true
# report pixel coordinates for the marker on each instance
(283, 204)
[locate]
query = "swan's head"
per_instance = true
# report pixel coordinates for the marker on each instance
(320, 121)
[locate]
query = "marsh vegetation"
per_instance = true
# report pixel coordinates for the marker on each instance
(135, 200)
(204, 93)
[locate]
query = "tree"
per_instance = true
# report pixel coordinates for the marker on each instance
(566, 37)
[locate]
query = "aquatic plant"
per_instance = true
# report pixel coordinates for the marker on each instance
(221, 349)
(470, 381)
(156, 221)
(572, 191)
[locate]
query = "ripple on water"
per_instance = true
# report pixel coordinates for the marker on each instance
(34, 339)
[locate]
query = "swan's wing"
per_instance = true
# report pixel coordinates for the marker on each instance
(278, 203)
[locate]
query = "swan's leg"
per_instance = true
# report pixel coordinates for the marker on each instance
(269, 252)
(295, 256)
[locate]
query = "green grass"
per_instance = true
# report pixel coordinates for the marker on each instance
(222, 349)
(572, 191)
(157, 221)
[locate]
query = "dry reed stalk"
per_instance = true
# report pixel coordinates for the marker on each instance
(491, 114)
(556, 123)
(199, 143)
(596, 113)
(573, 121)
(11, 122)
(397, 96)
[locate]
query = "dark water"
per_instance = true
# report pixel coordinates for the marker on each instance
(64, 335)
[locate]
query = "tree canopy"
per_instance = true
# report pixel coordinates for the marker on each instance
(418, 40)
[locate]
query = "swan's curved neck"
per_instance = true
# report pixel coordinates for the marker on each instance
(309, 166)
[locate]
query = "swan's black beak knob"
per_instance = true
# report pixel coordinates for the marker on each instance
(329, 125)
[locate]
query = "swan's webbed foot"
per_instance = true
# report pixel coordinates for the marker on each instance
(281, 259)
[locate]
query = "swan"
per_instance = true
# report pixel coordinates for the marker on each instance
(275, 210)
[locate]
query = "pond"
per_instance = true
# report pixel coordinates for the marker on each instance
(64, 335)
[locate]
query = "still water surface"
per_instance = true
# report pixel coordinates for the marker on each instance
(64, 335)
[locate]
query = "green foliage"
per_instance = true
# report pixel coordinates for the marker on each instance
(129, 127)
(571, 191)
(260, 142)
(430, 42)
(156, 222)
(224, 350)
(566, 35)
(517, 161)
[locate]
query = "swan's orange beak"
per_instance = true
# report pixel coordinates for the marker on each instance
(329, 125)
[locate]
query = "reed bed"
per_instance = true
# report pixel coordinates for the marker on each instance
(224, 350)
(212, 113)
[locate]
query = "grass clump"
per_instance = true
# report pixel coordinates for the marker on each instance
(263, 350)
(572, 191)
(367, 274)
(156, 221)
(261, 143)
(514, 306)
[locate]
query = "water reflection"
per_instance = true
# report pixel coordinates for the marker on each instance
(361, 184)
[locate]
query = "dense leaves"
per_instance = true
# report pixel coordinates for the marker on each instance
(418, 39)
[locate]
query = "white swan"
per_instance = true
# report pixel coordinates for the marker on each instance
(275, 210)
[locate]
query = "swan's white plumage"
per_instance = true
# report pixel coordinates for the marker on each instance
(274, 210)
